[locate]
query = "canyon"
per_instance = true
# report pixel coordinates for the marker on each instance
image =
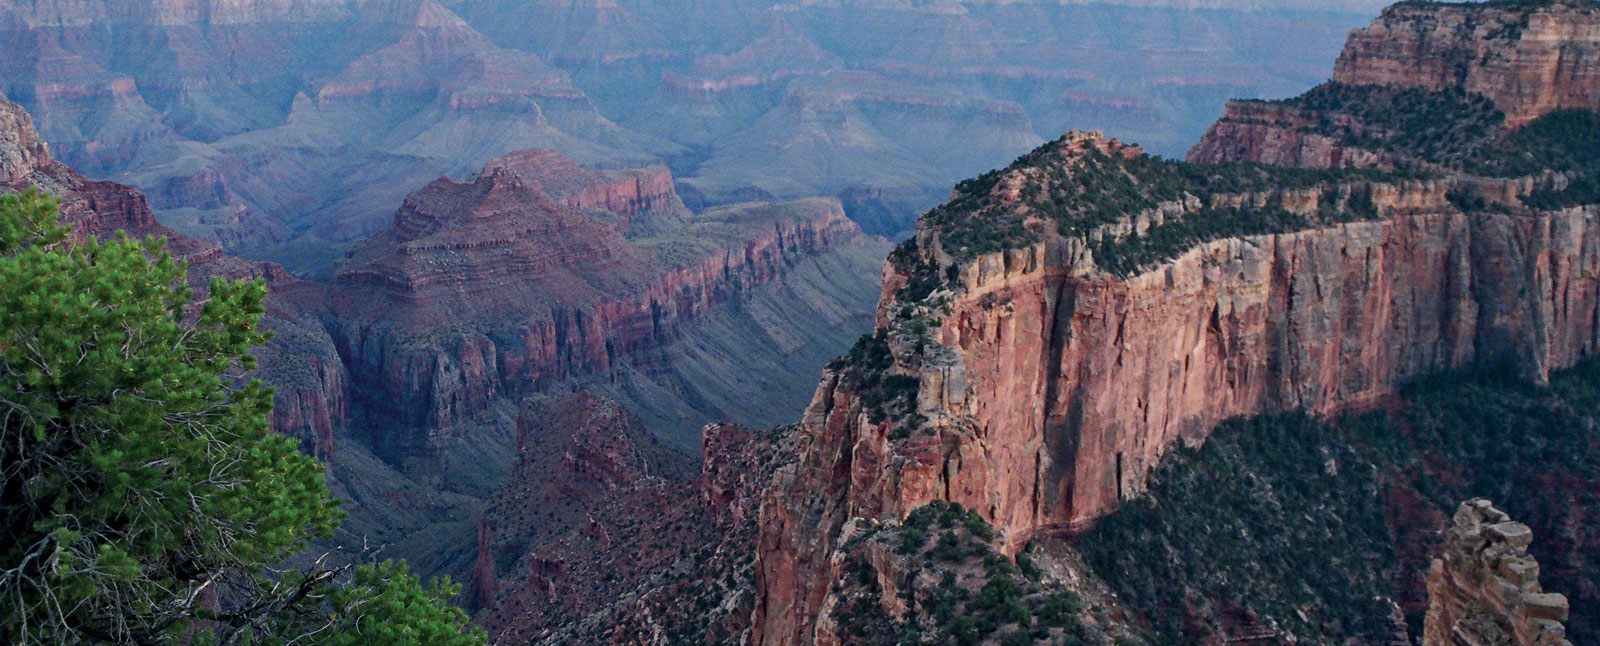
(404, 373)
(533, 317)
(503, 285)
(289, 131)
(1040, 384)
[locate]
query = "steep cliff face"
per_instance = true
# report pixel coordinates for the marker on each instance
(1530, 60)
(1273, 133)
(502, 286)
(1060, 325)
(1484, 588)
(1430, 61)
(1052, 392)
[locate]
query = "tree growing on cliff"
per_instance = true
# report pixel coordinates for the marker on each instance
(143, 499)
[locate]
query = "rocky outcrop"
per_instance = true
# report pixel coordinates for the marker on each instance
(1052, 389)
(1529, 58)
(576, 454)
(1040, 384)
(1525, 60)
(501, 286)
(1273, 133)
(645, 198)
(93, 208)
(1484, 587)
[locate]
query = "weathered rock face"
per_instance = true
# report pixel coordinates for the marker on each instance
(1064, 389)
(1484, 588)
(576, 453)
(500, 285)
(645, 198)
(93, 208)
(1047, 387)
(1276, 134)
(1529, 62)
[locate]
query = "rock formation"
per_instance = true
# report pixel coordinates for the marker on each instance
(1053, 389)
(1525, 61)
(1530, 60)
(502, 285)
(1484, 588)
(1061, 324)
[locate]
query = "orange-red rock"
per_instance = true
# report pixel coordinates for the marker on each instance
(1529, 61)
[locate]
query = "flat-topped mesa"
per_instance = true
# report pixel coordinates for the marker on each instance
(1484, 588)
(524, 276)
(1529, 58)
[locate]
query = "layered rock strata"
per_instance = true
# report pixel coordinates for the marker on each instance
(1053, 389)
(1529, 60)
(500, 285)
(1525, 61)
(1273, 133)
(1039, 384)
(1484, 587)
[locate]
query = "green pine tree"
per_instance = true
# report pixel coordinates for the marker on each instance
(143, 499)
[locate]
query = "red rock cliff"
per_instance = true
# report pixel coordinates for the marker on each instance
(1055, 389)
(1047, 388)
(1526, 60)
(1529, 61)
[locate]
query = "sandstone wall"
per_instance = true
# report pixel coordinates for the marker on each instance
(1530, 62)
(1275, 134)
(1055, 390)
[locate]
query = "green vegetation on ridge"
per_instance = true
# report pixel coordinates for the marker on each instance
(1452, 129)
(963, 591)
(1079, 192)
(1078, 189)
